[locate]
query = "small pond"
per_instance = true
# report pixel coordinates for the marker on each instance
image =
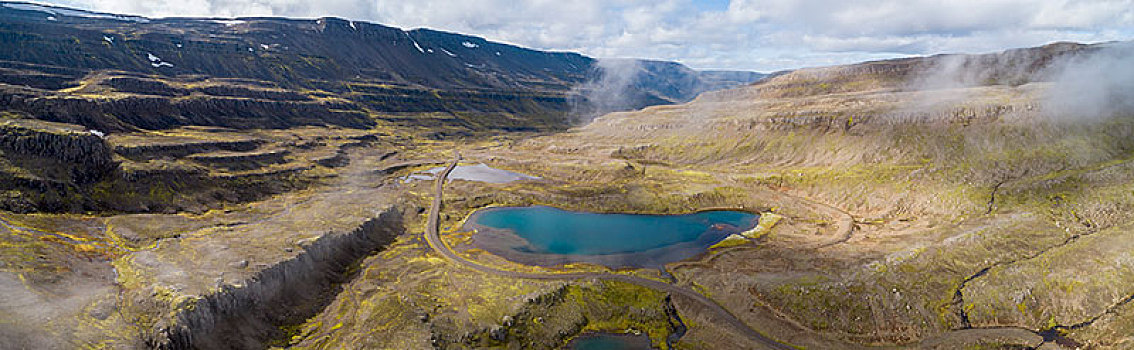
(610, 341)
(478, 172)
(542, 235)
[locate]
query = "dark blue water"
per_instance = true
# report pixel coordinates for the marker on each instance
(606, 341)
(637, 240)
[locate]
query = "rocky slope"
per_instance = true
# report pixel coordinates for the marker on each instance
(55, 167)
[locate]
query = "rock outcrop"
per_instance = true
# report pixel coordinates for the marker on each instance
(287, 293)
(85, 152)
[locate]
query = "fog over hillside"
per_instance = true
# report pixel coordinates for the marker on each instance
(1096, 85)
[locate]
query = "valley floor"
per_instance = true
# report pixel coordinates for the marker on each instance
(970, 238)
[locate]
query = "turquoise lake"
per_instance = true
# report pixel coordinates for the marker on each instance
(546, 235)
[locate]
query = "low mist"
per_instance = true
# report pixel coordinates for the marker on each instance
(1093, 85)
(610, 88)
(1084, 83)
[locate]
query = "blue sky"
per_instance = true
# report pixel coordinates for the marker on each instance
(761, 35)
(711, 5)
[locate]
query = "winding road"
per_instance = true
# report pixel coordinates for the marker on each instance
(433, 238)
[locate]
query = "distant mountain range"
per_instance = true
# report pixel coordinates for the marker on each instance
(118, 73)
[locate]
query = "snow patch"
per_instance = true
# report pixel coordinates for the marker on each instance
(108, 39)
(475, 66)
(430, 50)
(157, 62)
(448, 53)
(352, 25)
(179, 46)
(470, 45)
(415, 43)
(51, 18)
(251, 50)
(498, 53)
(96, 133)
(229, 22)
(54, 11)
(265, 46)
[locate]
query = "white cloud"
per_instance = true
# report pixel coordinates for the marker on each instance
(747, 34)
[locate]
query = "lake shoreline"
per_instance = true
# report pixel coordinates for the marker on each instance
(557, 251)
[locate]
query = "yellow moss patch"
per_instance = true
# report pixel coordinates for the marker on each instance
(764, 226)
(733, 240)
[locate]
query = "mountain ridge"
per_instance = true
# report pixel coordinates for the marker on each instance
(400, 69)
